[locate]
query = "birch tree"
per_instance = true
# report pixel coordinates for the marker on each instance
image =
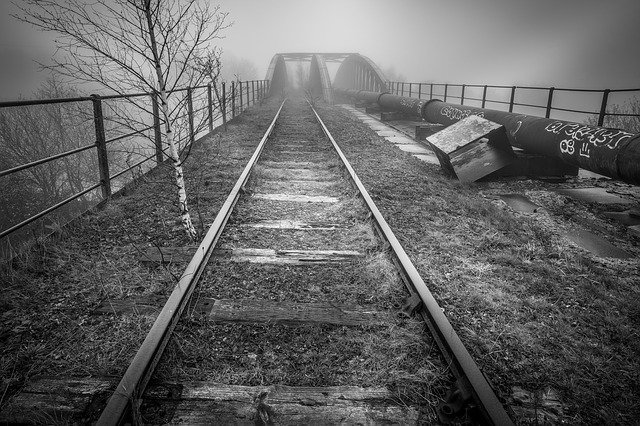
(133, 46)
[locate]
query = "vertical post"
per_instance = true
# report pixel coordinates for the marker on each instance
(402, 94)
(410, 84)
(192, 136)
(512, 99)
(431, 91)
(462, 94)
(241, 100)
(210, 107)
(156, 127)
(446, 86)
(419, 90)
(253, 92)
(224, 104)
(101, 146)
(603, 107)
(549, 101)
(233, 99)
(484, 96)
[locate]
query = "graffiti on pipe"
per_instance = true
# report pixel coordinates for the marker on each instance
(458, 114)
(589, 136)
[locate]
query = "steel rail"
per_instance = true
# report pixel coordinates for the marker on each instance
(450, 344)
(135, 379)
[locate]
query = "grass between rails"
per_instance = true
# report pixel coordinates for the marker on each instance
(48, 294)
(534, 311)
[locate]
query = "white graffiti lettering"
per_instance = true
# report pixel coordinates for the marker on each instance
(458, 114)
(584, 150)
(567, 146)
(595, 136)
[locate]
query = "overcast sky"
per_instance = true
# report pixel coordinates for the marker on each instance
(566, 43)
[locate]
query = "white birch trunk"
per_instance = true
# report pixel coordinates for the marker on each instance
(173, 151)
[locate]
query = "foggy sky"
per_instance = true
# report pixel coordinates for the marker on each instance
(566, 43)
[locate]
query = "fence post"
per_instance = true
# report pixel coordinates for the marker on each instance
(192, 136)
(402, 94)
(462, 94)
(241, 100)
(484, 96)
(253, 92)
(156, 127)
(446, 86)
(224, 105)
(101, 146)
(233, 99)
(210, 107)
(419, 90)
(549, 101)
(512, 99)
(431, 91)
(603, 107)
(410, 84)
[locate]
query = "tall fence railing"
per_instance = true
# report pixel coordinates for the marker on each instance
(548, 102)
(48, 164)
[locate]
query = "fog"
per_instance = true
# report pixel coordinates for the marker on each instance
(569, 43)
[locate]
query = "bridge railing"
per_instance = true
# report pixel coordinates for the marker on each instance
(51, 149)
(549, 102)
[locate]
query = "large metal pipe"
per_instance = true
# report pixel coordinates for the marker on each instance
(610, 152)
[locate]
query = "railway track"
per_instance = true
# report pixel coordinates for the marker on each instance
(272, 321)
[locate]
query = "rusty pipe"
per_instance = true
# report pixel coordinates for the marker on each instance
(610, 152)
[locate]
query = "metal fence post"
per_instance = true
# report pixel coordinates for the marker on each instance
(446, 86)
(253, 92)
(192, 135)
(431, 91)
(402, 94)
(241, 100)
(233, 99)
(410, 84)
(156, 127)
(603, 107)
(512, 99)
(101, 146)
(224, 105)
(462, 94)
(419, 90)
(549, 101)
(484, 96)
(210, 107)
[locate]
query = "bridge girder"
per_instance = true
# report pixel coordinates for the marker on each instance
(360, 73)
(355, 72)
(319, 80)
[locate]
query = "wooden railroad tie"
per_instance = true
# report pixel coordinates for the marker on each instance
(255, 311)
(156, 256)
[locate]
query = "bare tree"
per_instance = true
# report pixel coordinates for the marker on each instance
(133, 45)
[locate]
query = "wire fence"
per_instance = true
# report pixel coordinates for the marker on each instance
(599, 107)
(60, 157)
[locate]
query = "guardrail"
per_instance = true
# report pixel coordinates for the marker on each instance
(461, 94)
(202, 109)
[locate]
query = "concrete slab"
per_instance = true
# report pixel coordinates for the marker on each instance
(519, 203)
(594, 195)
(413, 148)
(401, 140)
(431, 159)
(594, 244)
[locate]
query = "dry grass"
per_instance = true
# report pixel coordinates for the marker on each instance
(48, 294)
(534, 310)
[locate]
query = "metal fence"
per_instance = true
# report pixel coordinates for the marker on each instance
(539, 101)
(127, 141)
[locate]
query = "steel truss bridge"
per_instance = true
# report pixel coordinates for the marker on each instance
(610, 152)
